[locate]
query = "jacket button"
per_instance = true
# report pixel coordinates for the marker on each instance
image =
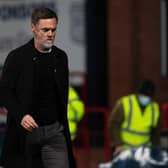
(34, 58)
(55, 70)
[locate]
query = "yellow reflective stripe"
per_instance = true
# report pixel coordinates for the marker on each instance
(74, 99)
(128, 145)
(134, 139)
(129, 113)
(135, 132)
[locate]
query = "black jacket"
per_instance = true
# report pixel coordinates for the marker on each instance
(18, 87)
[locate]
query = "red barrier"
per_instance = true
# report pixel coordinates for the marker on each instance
(87, 133)
(164, 117)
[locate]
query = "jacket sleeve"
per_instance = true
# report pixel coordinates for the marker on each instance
(8, 84)
(155, 133)
(115, 121)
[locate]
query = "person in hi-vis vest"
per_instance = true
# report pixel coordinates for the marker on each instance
(75, 111)
(135, 119)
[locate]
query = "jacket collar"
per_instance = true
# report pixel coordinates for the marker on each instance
(54, 52)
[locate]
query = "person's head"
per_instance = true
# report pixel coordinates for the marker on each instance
(145, 91)
(44, 23)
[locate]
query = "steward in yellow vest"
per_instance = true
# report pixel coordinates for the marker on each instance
(75, 111)
(135, 120)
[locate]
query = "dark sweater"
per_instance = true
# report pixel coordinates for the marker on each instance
(47, 105)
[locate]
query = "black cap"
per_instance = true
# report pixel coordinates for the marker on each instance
(146, 87)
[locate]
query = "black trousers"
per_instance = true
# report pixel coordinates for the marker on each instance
(46, 148)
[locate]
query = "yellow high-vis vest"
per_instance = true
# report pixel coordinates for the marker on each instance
(136, 128)
(75, 111)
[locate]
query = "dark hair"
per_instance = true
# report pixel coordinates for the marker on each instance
(146, 87)
(42, 13)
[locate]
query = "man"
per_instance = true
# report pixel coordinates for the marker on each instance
(34, 90)
(134, 120)
(75, 111)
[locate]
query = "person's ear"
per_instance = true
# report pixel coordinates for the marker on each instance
(32, 27)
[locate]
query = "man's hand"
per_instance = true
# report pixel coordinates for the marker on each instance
(118, 150)
(28, 122)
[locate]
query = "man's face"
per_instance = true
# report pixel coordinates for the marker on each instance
(44, 33)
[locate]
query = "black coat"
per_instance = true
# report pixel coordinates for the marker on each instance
(18, 87)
